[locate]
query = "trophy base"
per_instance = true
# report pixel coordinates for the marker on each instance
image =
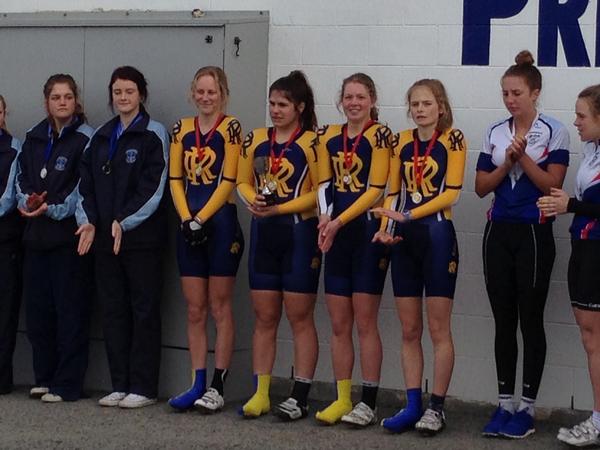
(270, 199)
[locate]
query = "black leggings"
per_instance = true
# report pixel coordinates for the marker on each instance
(518, 260)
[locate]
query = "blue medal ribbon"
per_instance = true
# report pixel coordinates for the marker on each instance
(47, 152)
(114, 137)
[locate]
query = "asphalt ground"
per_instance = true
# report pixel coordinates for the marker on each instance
(30, 424)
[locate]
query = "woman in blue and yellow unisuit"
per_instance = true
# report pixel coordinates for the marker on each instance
(202, 172)
(277, 178)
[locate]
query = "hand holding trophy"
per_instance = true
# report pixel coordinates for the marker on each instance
(268, 186)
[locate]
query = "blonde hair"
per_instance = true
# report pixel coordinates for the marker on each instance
(220, 78)
(438, 90)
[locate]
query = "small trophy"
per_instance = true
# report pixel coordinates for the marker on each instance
(269, 186)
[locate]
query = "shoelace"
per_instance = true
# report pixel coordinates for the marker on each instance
(361, 411)
(211, 397)
(289, 405)
(431, 416)
(586, 428)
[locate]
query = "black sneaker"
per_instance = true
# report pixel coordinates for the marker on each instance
(289, 410)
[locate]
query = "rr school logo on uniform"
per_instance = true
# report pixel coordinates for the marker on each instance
(340, 170)
(199, 171)
(131, 155)
(61, 163)
(554, 16)
(429, 171)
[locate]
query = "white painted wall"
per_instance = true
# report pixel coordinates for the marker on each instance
(398, 42)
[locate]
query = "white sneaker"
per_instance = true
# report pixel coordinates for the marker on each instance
(362, 415)
(51, 398)
(136, 401)
(580, 435)
(431, 422)
(112, 399)
(38, 391)
(211, 401)
(289, 410)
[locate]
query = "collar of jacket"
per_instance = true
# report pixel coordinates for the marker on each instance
(40, 131)
(138, 127)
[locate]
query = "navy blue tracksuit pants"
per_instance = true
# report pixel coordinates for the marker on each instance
(58, 299)
(11, 259)
(129, 290)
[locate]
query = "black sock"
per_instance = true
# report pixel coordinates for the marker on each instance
(436, 402)
(300, 390)
(369, 394)
(219, 376)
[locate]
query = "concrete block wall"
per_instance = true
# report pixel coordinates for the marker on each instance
(397, 43)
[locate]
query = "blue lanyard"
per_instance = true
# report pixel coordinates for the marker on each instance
(117, 133)
(48, 150)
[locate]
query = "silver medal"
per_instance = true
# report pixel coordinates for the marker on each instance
(416, 197)
(43, 172)
(272, 185)
(346, 179)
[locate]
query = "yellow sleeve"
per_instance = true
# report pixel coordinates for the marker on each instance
(176, 175)
(308, 200)
(378, 174)
(245, 170)
(324, 170)
(456, 147)
(231, 131)
(325, 173)
(394, 184)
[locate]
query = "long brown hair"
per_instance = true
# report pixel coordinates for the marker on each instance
(438, 90)
(296, 89)
(592, 95)
(366, 81)
(63, 78)
(3, 101)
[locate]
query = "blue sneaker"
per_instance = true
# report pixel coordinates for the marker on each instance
(402, 421)
(519, 426)
(498, 420)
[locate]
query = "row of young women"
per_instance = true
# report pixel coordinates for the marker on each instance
(283, 173)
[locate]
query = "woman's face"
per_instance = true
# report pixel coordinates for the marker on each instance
(284, 113)
(424, 108)
(61, 103)
(126, 97)
(357, 102)
(207, 95)
(2, 115)
(518, 98)
(586, 122)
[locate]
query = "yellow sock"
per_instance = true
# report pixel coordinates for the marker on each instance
(343, 405)
(259, 403)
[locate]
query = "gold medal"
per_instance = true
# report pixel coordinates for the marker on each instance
(198, 170)
(416, 197)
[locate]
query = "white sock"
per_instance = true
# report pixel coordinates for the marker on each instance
(506, 403)
(527, 404)
(596, 419)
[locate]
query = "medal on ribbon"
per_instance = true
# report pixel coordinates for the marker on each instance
(419, 164)
(349, 154)
(201, 149)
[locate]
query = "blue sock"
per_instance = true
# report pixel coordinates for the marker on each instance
(186, 399)
(406, 418)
